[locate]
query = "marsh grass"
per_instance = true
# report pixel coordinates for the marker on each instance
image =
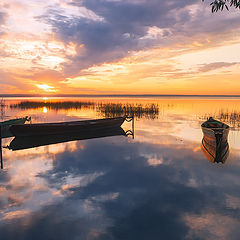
(233, 118)
(52, 105)
(230, 118)
(138, 110)
(150, 111)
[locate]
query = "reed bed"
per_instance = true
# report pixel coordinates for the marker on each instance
(52, 105)
(230, 118)
(137, 110)
(150, 111)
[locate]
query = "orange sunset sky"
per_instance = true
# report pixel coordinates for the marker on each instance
(118, 47)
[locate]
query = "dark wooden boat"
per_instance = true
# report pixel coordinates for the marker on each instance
(5, 132)
(25, 142)
(65, 127)
(215, 140)
(14, 121)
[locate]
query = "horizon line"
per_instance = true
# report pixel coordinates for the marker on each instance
(117, 95)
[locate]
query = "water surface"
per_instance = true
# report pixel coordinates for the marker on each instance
(158, 185)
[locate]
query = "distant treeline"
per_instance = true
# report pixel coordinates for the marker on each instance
(105, 109)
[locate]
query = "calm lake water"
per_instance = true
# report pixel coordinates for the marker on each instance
(157, 185)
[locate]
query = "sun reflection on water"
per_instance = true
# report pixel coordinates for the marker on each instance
(45, 110)
(108, 183)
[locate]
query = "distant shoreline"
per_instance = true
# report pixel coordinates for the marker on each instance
(113, 95)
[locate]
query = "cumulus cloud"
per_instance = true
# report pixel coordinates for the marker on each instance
(75, 37)
(125, 26)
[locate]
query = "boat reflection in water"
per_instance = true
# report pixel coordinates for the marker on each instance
(25, 142)
(215, 140)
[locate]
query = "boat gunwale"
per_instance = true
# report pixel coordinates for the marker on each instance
(213, 121)
(69, 123)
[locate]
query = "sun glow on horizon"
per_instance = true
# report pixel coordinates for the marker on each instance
(42, 52)
(46, 88)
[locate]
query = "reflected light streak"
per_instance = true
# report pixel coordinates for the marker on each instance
(168, 140)
(45, 110)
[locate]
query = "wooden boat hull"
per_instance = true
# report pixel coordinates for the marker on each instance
(26, 142)
(65, 127)
(216, 154)
(5, 126)
(215, 140)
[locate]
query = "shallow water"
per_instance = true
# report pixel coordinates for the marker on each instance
(157, 185)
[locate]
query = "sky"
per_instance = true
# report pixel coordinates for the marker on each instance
(118, 47)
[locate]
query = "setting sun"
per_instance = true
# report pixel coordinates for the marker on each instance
(84, 50)
(46, 87)
(120, 119)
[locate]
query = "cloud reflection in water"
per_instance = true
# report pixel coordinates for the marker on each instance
(121, 196)
(159, 185)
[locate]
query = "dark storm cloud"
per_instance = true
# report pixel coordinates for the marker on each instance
(123, 26)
